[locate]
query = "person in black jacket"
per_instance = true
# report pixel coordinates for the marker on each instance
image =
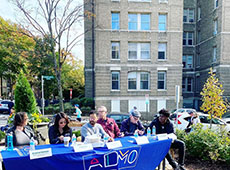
(163, 125)
(60, 129)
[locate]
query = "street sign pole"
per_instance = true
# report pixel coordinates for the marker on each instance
(43, 96)
(177, 98)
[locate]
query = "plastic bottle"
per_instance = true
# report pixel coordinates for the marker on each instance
(10, 146)
(135, 134)
(74, 139)
(32, 144)
(148, 132)
(153, 131)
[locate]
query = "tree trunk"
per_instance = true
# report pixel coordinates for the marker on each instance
(211, 122)
(60, 92)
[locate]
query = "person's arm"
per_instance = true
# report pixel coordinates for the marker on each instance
(52, 137)
(84, 132)
(116, 129)
(170, 129)
(125, 128)
(102, 131)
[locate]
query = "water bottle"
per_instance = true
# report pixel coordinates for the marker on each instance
(153, 131)
(106, 139)
(10, 146)
(148, 132)
(136, 134)
(32, 144)
(74, 139)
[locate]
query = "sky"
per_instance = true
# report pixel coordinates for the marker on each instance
(8, 12)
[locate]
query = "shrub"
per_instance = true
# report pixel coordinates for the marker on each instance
(77, 133)
(76, 101)
(85, 110)
(87, 102)
(206, 144)
(24, 97)
(2, 135)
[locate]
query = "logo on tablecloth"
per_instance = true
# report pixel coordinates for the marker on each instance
(125, 158)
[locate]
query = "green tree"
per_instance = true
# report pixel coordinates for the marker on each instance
(24, 97)
(212, 97)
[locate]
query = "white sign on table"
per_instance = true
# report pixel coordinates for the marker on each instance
(115, 144)
(82, 148)
(142, 140)
(40, 153)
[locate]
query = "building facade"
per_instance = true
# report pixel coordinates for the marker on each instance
(133, 53)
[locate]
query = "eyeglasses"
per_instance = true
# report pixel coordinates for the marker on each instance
(62, 122)
(136, 118)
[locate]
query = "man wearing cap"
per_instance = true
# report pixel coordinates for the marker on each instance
(163, 125)
(132, 124)
(108, 124)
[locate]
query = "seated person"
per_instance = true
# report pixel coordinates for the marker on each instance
(60, 129)
(21, 132)
(163, 125)
(132, 124)
(108, 124)
(92, 128)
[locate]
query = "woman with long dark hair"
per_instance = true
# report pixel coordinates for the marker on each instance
(60, 129)
(21, 132)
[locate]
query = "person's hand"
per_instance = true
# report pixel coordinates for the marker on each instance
(61, 138)
(36, 142)
(111, 140)
(140, 132)
(121, 135)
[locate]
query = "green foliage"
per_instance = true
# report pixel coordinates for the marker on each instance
(77, 133)
(85, 110)
(24, 97)
(212, 97)
(206, 144)
(87, 102)
(75, 101)
(2, 135)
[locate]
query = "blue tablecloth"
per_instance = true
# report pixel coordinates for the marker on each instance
(131, 155)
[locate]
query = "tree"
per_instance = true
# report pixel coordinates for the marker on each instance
(212, 97)
(24, 97)
(15, 48)
(55, 19)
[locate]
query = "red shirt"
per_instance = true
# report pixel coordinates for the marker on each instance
(110, 127)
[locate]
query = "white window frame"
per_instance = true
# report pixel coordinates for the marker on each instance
(165, 79)
(215, 23)
(159, 22)
(199, 13)
(161, 104)
(115, 72)
(187, 38)
(163, 1)
(162, 50)
(139, 50)
(116, 21)
(214, 54)
(140, 0)
(115, 106)
(139, 21)
(185, 83)
(140, 104)
(216, 4)
(115, 44)
(138, 81)
(186, 61)
(187, 14)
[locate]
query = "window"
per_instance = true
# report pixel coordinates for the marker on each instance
(161, 51)
(139, 21)
(141, 0)
(139, 51)
(214, 54)
(162, 22)
(199, 13)
(163, 1)
(187, 61)
(188, 38)
(188, 15)
(216, 3)
(161, 104)
(115, 46)
(115, 80)
(138, 81)
(115, 105)
(140, 104)
(187, 84)
(215, 27)
(161, 84)
(115, 17)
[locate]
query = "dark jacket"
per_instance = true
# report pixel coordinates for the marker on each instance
(125, 127)
(29, 133)
(162, 128)
(54, 134)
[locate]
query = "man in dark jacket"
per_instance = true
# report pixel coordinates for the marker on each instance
(132, 124)
(163, 125)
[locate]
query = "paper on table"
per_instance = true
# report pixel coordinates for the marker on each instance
(172, 136)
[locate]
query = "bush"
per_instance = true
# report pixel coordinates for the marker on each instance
(76, 101)
(206, 144)
(87, 102)
(2, 135)
(85, 110)
(24, 97)
(77, 133)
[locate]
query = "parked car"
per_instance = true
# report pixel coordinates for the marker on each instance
(226, 117)
(183, 121)
(118, 117)
(5, 106)
(183, 110)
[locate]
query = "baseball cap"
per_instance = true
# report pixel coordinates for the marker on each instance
(135, 113)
